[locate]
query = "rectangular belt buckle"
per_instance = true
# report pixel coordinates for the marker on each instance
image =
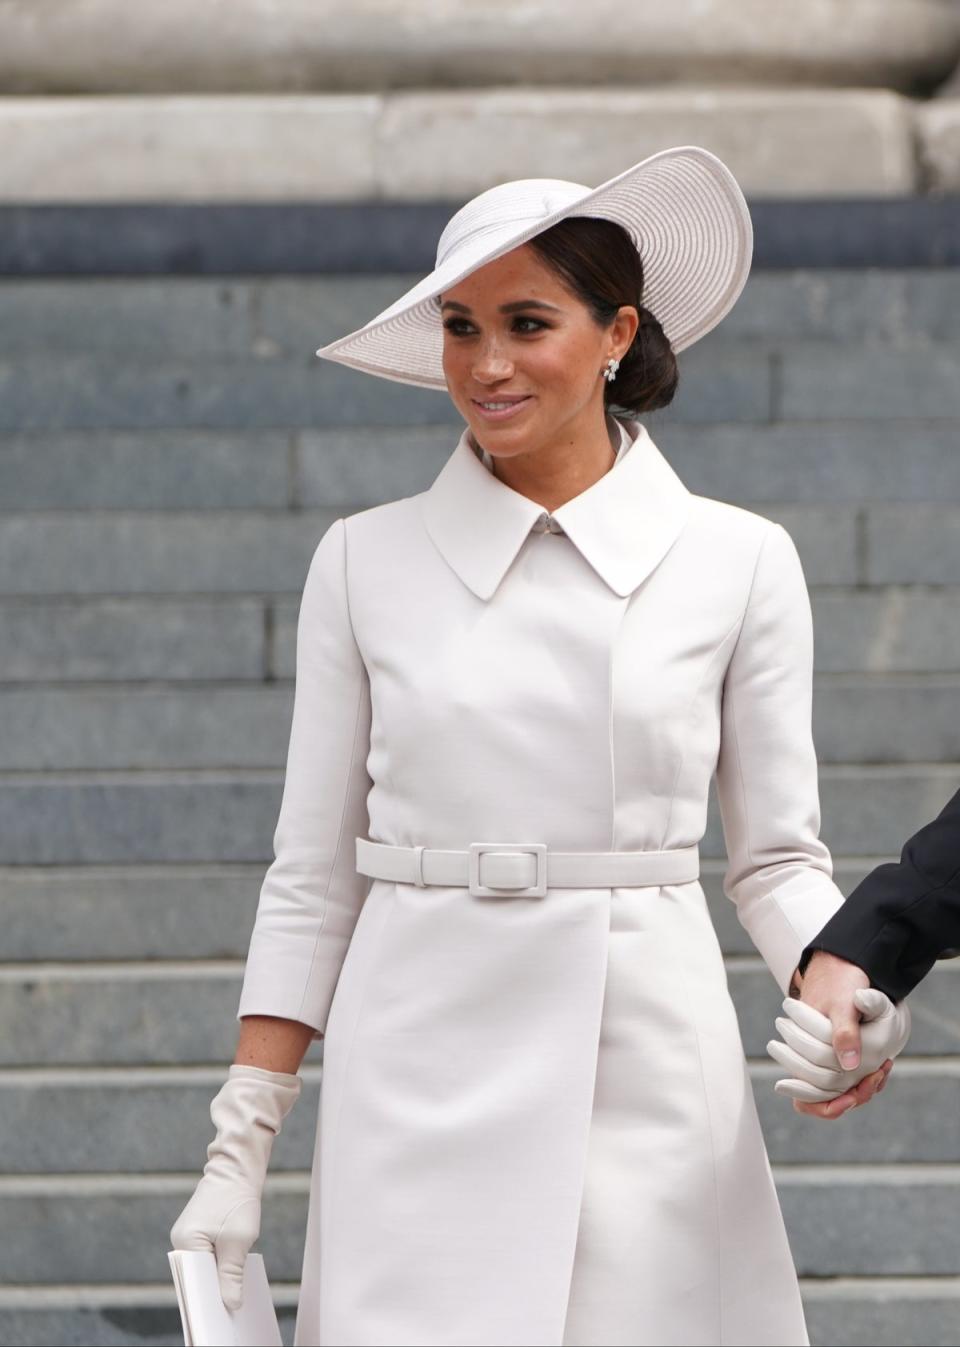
(537, 890)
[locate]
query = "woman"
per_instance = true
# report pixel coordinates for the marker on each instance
(514, 689)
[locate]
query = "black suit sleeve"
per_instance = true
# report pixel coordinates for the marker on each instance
(903, 916)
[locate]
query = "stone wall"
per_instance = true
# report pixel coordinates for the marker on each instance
(291, 100)
(302, 46)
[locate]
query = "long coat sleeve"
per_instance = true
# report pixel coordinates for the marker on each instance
(779, 872)
(905, 915)
(312, 894)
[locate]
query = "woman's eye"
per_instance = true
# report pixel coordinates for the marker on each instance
(456, 325)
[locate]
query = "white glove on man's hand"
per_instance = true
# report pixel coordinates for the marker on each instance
(223, 1215)
(807, 1051)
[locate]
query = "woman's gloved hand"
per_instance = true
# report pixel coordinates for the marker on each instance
(223, 1215)
(807, 1050)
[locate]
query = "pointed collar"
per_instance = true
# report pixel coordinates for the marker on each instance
(623, 525)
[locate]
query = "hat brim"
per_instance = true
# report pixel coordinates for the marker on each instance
(684, 210)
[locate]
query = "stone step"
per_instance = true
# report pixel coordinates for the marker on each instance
(855, 1221)
(897, 629)
(433, 144)
(238, 318)
(842, 1221)
(888, 630)
(377, 237)
(141, 553)
(83, 47)
(134, 912)
(117, 727)
(177, 1013)
(749, 382)
(76, 1316)
(735, 382)
(229, 816)
(149, 470)
(851, 462)
(178, 911)
(189, 637)
(845, 308)
(912, 543)
(879, 383)
(843, 1312)
(78, 393)
(193, 470)
(913, 1311)
(67, 1121)
(857, 719)
(886, 720)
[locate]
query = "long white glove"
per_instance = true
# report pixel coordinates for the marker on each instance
(223, 1215)
(807, 1051)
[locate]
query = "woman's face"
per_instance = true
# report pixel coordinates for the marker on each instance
(513, 332)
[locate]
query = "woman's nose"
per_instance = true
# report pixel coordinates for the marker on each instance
(491, 365)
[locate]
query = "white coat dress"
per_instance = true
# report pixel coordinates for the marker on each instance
(536, 1124)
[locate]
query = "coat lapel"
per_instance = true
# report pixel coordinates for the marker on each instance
(623, 525)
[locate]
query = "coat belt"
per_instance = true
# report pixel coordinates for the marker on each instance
(525, 869)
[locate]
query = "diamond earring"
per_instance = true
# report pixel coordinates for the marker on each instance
(610, 369)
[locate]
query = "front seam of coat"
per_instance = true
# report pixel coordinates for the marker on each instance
(682, 757)
(611, 746)
(713, 1154)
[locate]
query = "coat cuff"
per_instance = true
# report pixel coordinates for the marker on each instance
(278, 983)
(783, 922)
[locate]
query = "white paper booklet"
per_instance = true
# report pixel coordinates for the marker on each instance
(206, 1320)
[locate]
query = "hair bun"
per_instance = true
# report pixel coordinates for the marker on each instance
(648, 375)
(600, 263)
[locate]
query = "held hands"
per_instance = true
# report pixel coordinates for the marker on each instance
(829, 986)
(223, 1215)
(808, 1050)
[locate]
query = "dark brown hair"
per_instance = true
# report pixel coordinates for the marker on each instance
(600, 264)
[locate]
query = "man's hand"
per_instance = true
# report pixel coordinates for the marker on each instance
(807, 1052)
(861, 1094)
(828, 986)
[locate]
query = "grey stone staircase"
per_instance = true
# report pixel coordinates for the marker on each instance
(170, 453)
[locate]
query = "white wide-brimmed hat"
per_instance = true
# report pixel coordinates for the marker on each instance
(683, 208)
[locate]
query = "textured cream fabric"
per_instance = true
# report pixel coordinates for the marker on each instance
(536, 1123)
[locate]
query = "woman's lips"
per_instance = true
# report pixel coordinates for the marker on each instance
(505, 413)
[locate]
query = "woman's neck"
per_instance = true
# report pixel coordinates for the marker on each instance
(552, 476)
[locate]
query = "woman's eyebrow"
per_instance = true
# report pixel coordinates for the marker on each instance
(504, 308)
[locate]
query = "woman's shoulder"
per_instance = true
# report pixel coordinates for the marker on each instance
(391, 532)
(392, 515)
(721, 521)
